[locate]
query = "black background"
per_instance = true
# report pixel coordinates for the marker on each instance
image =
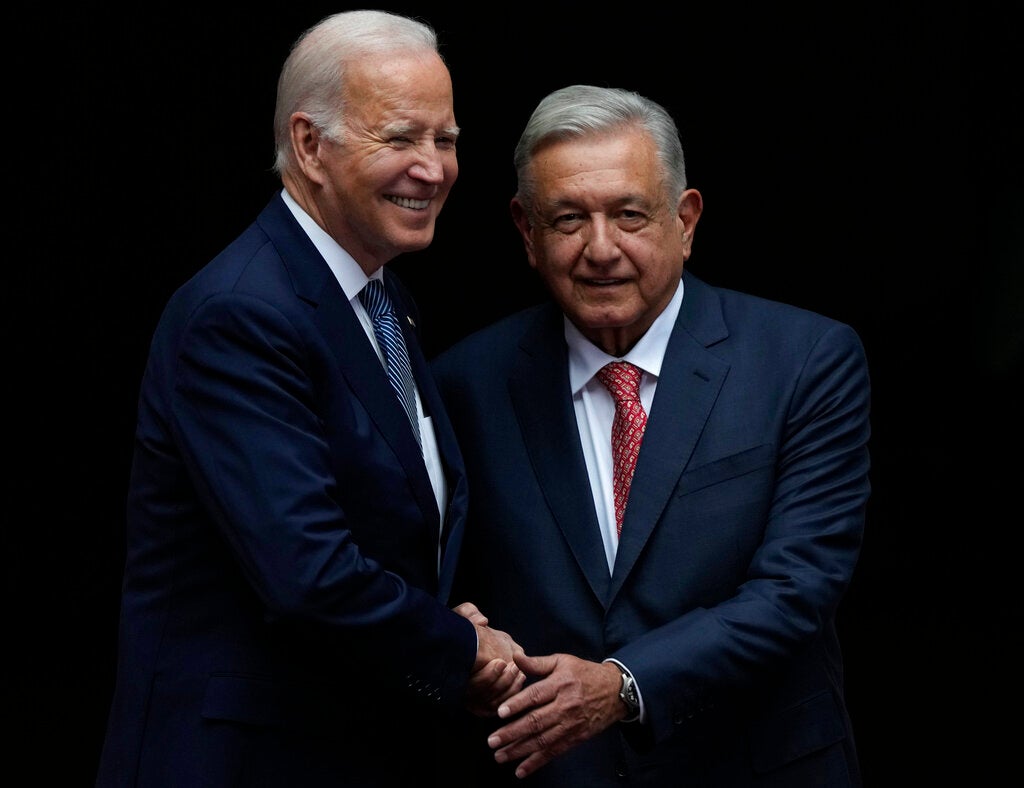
(862, 161)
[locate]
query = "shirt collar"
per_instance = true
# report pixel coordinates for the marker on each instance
(344, 267)
(586, 358)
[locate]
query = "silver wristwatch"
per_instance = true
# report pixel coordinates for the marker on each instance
(629, 696)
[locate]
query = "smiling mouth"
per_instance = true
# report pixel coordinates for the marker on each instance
(408, 202)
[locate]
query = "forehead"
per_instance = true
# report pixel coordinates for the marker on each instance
(612, 163)
(401, 89)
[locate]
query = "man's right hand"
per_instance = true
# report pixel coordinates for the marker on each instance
(495, 676)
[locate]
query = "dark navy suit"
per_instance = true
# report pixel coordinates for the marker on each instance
(742, 531)
(283, 622)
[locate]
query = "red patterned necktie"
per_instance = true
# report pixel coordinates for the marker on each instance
(623, 381)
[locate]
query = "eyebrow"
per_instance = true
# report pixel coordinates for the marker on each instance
(407, 128)
(638, 200)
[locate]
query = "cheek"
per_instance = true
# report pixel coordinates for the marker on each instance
(657, 263)
(558, 250)
(657, 284)
(554, 256)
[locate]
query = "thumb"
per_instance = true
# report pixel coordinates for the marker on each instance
(472, 612)
(536, 666)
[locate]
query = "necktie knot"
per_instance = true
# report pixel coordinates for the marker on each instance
(622, 379)
(375, 299)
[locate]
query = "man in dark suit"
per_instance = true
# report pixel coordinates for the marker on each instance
(292, 530)
(698, 647)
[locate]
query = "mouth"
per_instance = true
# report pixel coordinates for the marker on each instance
(408, 202)
(604, 282)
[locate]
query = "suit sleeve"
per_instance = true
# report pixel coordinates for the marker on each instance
(804, 563)
(247, 417)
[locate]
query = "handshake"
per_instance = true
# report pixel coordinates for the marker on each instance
(568, 701)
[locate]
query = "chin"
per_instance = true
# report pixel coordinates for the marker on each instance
(597, 316)
(414, 241)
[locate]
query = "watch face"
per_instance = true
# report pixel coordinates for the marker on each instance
(629, 697)
(628, 693)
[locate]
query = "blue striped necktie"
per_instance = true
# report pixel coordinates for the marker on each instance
(396, 357)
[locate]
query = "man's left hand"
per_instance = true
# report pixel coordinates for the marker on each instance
(571, 701)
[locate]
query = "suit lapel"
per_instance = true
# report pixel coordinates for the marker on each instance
(315, 283)
(691, 379)
(451, 456)
(366, 377)
(539, 389)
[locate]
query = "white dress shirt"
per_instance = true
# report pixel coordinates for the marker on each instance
(595, 408)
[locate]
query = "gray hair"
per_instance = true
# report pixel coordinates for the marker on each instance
(313, 76)
(583, 110)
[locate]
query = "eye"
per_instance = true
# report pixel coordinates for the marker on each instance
(567, 222)
(444, 143)
(631, 220)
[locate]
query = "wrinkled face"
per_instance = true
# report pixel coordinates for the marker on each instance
(602, 237)
(386, 181)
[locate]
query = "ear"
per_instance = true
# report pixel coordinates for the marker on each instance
(691, 204)
(306, 146)
(521, 218)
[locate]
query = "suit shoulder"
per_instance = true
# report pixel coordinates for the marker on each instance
(786, 317)
(734, 321)
(247, 277)
(254, 260)
(226, 269)
(496, 340)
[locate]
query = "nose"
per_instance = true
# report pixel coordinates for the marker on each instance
(600, 241)
(429, 165)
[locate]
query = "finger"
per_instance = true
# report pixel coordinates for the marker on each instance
(485, 704)
(472, 612)
(488, 687)
(531, 764)
(529, 698)
(535, 666)
(515, 740)
(489, 673)
(506, 686)
(537, 745)
(517, 684)
(533, 741)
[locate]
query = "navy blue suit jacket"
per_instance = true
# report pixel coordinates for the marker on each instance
(283, 617)
(742, 531)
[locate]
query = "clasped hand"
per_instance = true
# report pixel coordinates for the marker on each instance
(569, 700)
(496, 677)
